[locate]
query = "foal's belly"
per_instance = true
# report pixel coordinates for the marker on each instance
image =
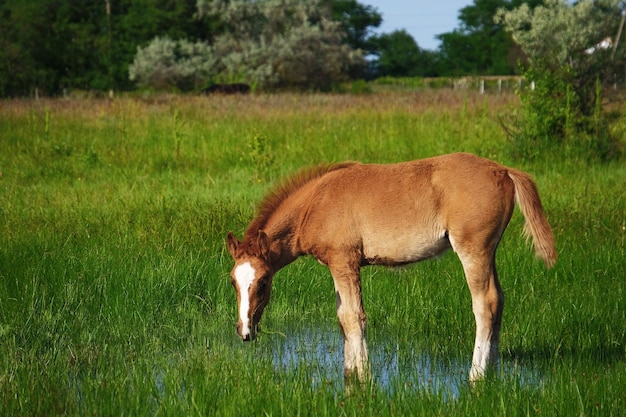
(404, 248)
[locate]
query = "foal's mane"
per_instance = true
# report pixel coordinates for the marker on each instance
(284, 189)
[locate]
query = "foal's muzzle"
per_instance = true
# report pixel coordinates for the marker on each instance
(250, 335)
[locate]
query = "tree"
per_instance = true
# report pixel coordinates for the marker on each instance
(568, 65)
(480, 46)
(21, 47)
(136, 23)
(356, 20)
(399, 56)
(54, 45)
(166, 64)
(43, 44)
(280, 43)
(58, 45)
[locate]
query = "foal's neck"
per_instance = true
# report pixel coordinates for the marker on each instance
(283, 241)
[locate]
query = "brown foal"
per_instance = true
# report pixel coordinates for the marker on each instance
(349, 215)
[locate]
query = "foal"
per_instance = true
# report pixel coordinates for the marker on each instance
(350, 215)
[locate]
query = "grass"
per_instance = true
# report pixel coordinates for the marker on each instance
(114, 290)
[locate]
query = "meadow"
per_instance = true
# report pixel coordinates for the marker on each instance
(115, 297)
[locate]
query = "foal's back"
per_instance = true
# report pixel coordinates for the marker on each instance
(401, 213)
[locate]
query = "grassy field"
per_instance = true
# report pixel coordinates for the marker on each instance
(114, 289)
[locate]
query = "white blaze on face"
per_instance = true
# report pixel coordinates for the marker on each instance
(244, 275)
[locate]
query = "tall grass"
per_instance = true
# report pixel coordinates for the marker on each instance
(114, 290)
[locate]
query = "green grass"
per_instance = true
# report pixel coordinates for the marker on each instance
(114, 289)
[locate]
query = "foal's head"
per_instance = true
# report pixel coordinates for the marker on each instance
(252, 278)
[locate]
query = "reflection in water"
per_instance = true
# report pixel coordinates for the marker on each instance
(320, 353)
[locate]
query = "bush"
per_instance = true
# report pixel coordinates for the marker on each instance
(553, 121)
(564, 110)
(168, 64)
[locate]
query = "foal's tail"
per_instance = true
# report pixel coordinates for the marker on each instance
(536, 224)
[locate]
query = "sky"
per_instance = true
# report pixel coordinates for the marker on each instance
(422, 19)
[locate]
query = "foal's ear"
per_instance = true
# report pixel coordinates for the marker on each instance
(232, 243)
(264, 244)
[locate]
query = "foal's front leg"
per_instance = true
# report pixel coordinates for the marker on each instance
(352, 321)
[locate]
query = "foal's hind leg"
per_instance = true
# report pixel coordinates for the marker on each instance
(352, 320)
(487, 303)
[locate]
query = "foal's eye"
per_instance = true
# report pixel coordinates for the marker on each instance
(261, 284)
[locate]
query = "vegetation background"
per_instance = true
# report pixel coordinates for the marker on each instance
(52, 46)
(114, 289)
(64, 47)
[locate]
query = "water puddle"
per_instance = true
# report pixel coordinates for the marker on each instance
(320, 353)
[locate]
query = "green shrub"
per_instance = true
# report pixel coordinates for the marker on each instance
(568, 65)
(554, 120)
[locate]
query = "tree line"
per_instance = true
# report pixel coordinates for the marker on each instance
(185, 45)
(56, 45)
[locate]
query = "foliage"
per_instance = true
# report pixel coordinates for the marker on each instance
(37, 39)
(356, 20)
(165, 63)
(277, 44)
(67, 44)
(60, 45)
(400, 56)
(54, 46)
(480, 45)
(566, 105)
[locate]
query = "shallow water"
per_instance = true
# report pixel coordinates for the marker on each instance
(320, 351)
